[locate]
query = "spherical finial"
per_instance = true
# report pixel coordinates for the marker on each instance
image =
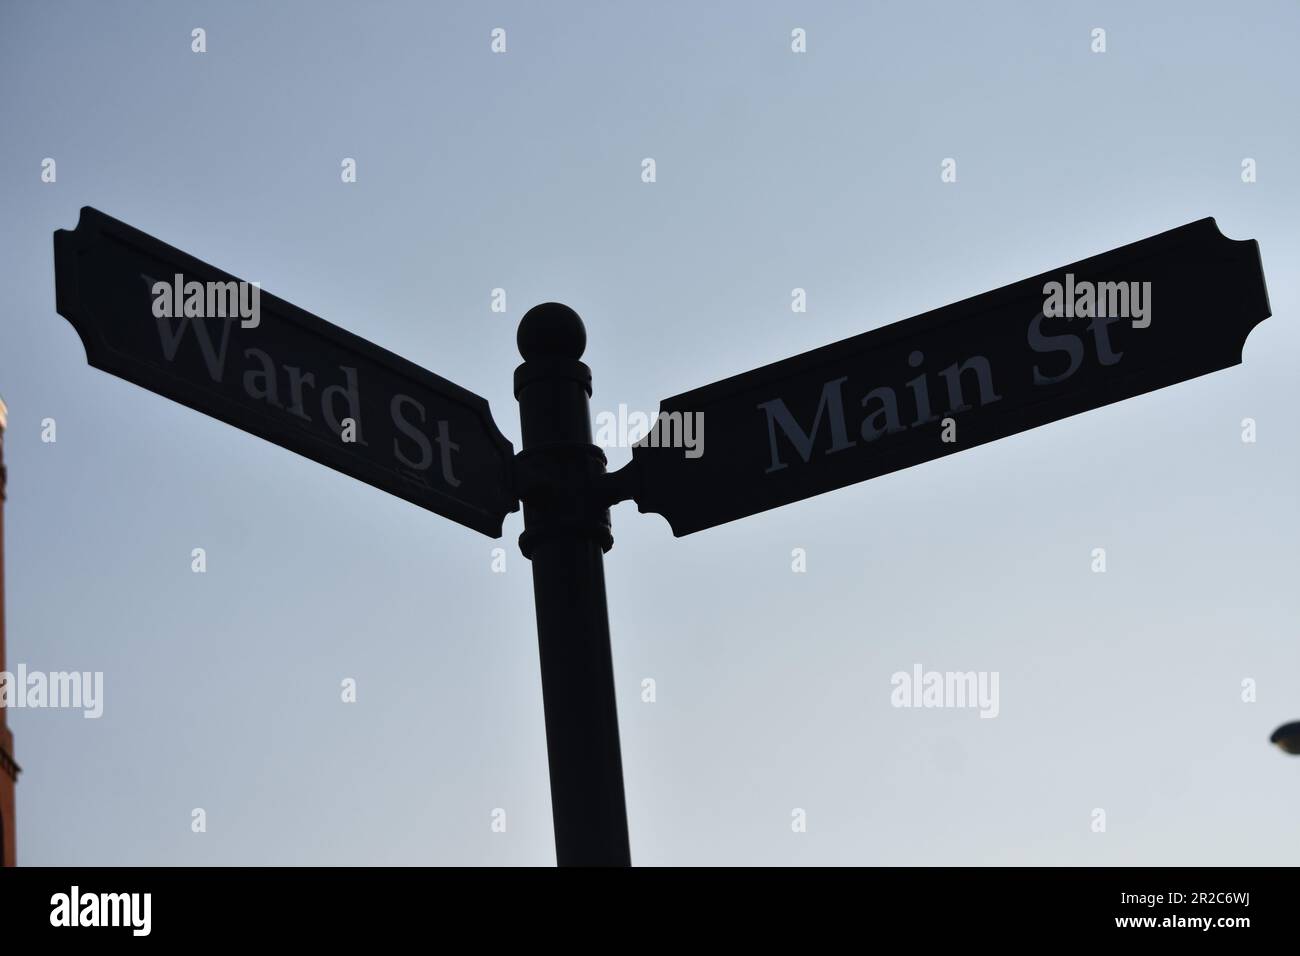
(551, 330)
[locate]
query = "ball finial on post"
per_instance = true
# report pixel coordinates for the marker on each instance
(551, 330)
(566, 533)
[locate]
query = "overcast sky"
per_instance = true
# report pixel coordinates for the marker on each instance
(1120, 691)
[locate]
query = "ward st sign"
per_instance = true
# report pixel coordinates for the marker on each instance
(143, 311)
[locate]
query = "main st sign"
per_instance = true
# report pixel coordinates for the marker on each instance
(1140, 317)
(968, 373)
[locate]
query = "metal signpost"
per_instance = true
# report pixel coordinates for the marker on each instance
(1154, 313)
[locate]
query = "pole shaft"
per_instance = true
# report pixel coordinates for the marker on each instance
(566, 532)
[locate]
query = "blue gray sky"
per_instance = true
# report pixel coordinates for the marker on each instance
(1120, 691)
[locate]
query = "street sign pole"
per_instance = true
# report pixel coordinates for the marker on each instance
(996, 365)
(566, 533)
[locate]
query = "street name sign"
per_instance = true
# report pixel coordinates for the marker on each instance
(160, 318)
(1138, 318)
(1141, 317)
